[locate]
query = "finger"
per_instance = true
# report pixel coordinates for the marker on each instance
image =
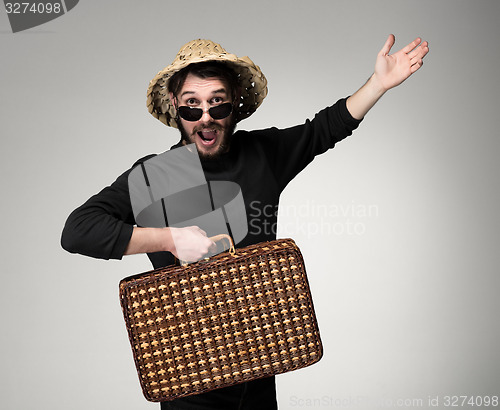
(388, 45)
(415, 53)
(416, 66)
(415, 60)
(425, 48)
(412, 45)
(418, 56)
(212, 248)
(420, 51)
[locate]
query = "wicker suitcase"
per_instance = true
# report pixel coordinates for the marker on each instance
(239, 316)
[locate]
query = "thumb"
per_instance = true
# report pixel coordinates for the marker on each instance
(388, 45)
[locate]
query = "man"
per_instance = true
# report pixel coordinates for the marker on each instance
(204, 93)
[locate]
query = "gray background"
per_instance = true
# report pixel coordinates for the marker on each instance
(407, 302)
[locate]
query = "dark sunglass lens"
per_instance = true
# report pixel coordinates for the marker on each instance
(221, 111)
(189, 113)
(218, 112)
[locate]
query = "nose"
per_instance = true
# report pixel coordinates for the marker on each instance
(205, 117)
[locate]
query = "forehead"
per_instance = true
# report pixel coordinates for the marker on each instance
(194, 85)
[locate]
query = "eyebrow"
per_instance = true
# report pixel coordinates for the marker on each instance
(219, 91)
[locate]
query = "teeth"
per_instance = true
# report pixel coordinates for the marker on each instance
(207, 135)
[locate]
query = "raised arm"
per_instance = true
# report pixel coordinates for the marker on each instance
(390, 71)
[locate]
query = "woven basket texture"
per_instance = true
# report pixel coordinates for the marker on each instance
(220, 322)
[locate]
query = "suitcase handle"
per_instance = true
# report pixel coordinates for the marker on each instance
(222, 236)
(217, 238)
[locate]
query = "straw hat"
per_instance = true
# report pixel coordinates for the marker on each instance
(253, 83)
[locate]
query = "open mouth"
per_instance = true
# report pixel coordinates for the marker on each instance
(208, 137)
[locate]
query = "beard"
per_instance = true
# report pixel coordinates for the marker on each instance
(224, 136)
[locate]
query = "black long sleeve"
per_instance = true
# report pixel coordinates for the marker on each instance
(262, 162)
(290, 150)
(102, 226)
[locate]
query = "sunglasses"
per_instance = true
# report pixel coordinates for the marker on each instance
(218, 112)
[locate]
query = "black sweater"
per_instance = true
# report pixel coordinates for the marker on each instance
(262, 162)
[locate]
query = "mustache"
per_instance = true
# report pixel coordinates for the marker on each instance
(214, 126)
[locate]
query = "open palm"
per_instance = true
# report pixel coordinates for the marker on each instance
(392, 70)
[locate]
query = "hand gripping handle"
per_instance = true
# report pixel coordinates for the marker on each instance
(217, 238)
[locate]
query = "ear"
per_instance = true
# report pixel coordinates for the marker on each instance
(172, 99)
